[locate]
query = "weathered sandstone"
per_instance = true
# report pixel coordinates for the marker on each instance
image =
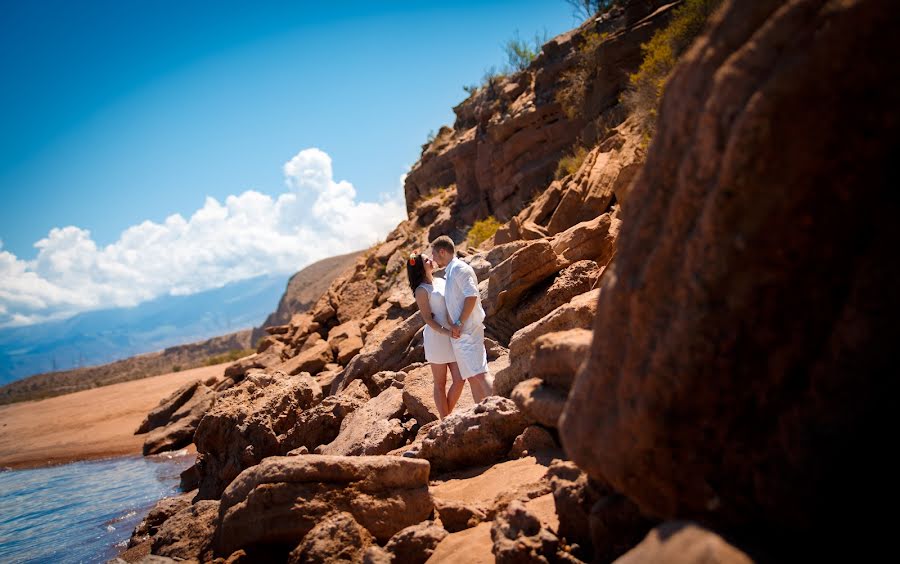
(737, 375)
(473, 436)
(246, 423)
(281, 499)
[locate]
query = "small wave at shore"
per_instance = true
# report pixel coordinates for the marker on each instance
(83, 511)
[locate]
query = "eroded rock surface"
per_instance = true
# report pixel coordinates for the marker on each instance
(684, 543)
(245, 424)
(416, 543)
(281, 499)
(473, 436)
(742, 338)
(161, 414)
(179, 430)
(579, 313)
(336, 538)
(319, 425)
(188, 534)
(373, 428)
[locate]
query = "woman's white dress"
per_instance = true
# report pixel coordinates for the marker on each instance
(438, 349)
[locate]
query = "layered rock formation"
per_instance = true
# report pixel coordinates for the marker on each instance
(509, 136)
(280, 500)
(247, 424)
(741, 343)
(171, 425)
(346, 377)
(703, 340)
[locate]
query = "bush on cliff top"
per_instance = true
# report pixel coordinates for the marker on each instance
(519, 54)
(660, 55)
(584, 9)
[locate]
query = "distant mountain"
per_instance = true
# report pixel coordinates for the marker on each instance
(305, 288)
(217, 350)
(104, 336)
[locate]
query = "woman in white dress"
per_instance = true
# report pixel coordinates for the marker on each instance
(429, 293)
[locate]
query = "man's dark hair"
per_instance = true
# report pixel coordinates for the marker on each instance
(444, 242)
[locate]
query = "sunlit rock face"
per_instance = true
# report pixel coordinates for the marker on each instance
(744, 331)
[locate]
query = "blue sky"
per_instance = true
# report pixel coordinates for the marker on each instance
(119, 114)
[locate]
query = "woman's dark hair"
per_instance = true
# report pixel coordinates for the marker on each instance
(415, 270)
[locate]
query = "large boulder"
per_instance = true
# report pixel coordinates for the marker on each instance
(558, 356)
(280, 500)
(356, 299)
(684, 543)
(516, 275)
(385, 352)
(311, 359)
(744, 335)
(346, 341)
(321, 424)
(474, 436)
(594, 240)
(161, 414)
(188, 534)
(574, 280)
(179, 431)
(540, 403)
(577, 314)
(261, 361)
(415, 544)
(556, 359)
(247, 424)
(158, 515)
(373, 428)
(336, 538)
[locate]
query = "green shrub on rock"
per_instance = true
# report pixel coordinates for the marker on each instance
(660, 55)
(482, 230)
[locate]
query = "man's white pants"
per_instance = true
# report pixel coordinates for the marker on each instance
(470, 353)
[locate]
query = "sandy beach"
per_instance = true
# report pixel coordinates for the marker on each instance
(89, 424)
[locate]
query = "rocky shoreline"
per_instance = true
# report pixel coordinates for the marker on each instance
(687, 351)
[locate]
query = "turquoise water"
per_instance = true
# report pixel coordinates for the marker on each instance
(83, 511)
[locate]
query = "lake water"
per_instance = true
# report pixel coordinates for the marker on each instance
(83, 511)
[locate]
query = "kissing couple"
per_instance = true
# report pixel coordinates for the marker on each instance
(454, 323)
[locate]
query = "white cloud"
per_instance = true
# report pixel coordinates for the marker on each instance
(246, 236)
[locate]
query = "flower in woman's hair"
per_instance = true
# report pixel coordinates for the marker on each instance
(412, 260)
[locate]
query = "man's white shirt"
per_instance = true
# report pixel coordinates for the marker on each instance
(461, 284)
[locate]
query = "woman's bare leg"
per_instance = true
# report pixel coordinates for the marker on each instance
(439, 371)
(456, 387)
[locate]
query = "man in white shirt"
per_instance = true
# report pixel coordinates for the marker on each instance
(466, 317)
